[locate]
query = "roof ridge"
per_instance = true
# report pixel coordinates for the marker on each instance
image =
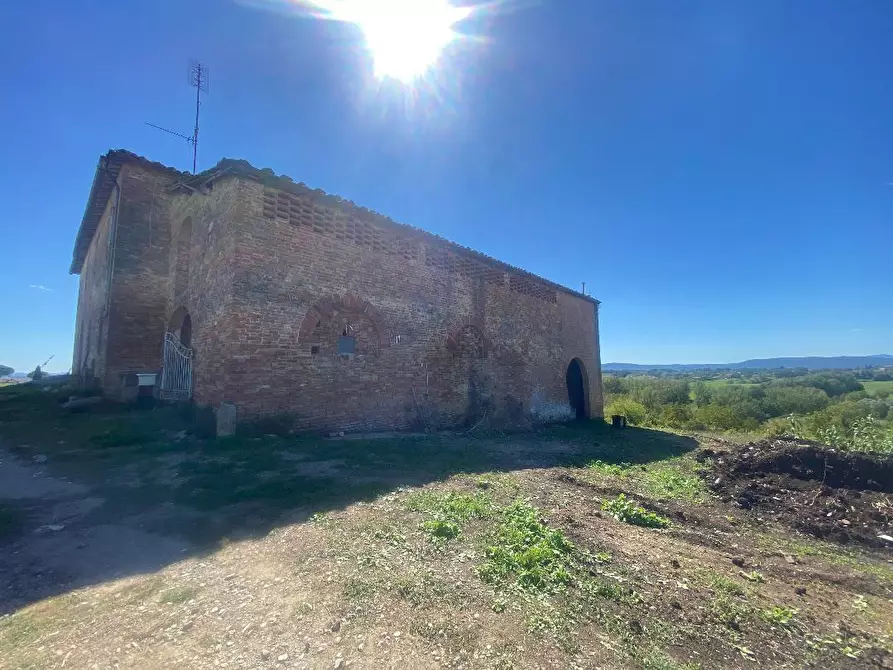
(269, 177)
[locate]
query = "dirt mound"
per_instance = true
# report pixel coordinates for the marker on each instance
(830, 494)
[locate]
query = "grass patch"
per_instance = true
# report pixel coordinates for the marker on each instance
(722, 584)
(678, 478)
(440, 530)
(526, 552)
(754, 576)
(626, 511)
(611, 469)
(875, 387)
(659, 660)
(779, 615)
(423, 589)
(729, 611)
(447, 511)
(833, 554)
(178, 595)
(451, 505)
(360, 591)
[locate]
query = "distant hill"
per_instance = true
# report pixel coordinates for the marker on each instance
(811, 362)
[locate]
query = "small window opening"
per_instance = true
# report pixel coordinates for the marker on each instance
(347, 344)
(314, 349)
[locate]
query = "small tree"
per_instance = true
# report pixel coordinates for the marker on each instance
(5, 371)
(36, 374)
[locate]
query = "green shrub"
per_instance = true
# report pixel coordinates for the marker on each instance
(626, 511)
(784, 400)
(779, 616)
(653, 392)
(613, 385)
(701, 394)
(722, 417)
(778, 426)
(634, 412)
(832, 383)
(675, 416)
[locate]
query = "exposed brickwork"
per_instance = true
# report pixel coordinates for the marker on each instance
(91, 328)
(458, 337)
(140, 276)
(300, 304)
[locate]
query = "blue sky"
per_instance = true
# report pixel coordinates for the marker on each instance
(716, 172)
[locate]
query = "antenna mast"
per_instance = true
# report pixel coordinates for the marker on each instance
(198, 79)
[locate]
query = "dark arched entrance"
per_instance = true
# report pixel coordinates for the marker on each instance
(181, 326)
(577, 388)
(186, 332)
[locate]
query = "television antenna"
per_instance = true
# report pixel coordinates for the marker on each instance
(198, 79)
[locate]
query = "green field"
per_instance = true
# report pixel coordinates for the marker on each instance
(873, 387)
(713, 383)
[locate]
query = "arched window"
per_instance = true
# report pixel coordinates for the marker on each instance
(344, 326)
(470, 343)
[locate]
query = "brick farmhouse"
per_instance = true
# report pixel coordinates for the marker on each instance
(284, 299)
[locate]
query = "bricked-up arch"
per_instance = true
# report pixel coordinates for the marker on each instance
(468, 340)
(184, 249)
(334, 317)
(578, 388)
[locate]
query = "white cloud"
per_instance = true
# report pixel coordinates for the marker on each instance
(40, 287)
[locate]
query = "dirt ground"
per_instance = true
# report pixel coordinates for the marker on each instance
(843, 497)
(128, 541)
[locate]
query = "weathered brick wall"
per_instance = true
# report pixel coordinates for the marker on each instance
(201, 261)
(441, 337)
(91, 325)
(141, 259)
(302, 306)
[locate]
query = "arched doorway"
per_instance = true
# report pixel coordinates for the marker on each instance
(186, 332)
(176, 371)
(181, 325)
(577, 388)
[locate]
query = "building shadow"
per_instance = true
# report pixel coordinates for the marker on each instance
(89, 499)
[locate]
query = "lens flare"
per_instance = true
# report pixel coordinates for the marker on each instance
(405, 37)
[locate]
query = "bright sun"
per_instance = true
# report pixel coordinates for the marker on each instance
(405, 37)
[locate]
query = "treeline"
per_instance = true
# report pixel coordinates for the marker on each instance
(756, 376)
(811, 403)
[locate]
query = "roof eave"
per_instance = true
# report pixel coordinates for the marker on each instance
(107, 170)
(85, 236)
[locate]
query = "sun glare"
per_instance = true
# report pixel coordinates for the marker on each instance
(405, 37)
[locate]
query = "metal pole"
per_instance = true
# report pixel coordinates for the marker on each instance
(198, 102)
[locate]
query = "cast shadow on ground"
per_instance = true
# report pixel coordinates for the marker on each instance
(114, 494)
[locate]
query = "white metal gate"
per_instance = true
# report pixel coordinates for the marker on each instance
(176, 375)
